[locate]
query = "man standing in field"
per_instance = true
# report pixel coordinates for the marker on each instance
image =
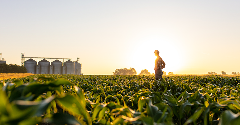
(159, 65)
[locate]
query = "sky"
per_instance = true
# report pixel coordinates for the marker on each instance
(193, 37)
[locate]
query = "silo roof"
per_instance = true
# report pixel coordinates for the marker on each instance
(68, 61)
(31, 60)
(44, 60)
(56, 61)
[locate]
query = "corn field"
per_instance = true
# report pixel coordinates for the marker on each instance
(113, 100)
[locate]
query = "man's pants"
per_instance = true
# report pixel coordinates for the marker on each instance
(158, 74)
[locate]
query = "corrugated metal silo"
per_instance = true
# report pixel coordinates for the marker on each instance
(51, 70)
(77, 68)
(70, 67)
(37, 69)
(64, 68)
(30, 65)
(44, 66)
(57, 67)
(2, 62)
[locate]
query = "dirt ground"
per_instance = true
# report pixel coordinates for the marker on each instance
(4, 76)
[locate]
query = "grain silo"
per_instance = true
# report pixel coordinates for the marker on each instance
(64, 68)
(30, 65)
(37, 69)
(51, 70)
(70, 67)
(44, 66)
(57, 67)
(77, 68)
(2, 61)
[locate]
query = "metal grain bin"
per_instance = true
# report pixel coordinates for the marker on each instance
(30, 65)
(51, 70)
(77, 68)
(37, 69)
(2, 62)
(57, 67)
(44, 66)
(70, 67)
(64, 68)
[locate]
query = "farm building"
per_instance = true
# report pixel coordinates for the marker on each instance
(2, 61)
(55, 67)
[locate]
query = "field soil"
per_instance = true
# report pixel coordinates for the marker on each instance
(4, 76)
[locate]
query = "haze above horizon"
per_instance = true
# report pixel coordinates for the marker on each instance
(193, 37)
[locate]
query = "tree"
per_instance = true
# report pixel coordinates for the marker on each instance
(145, 72)
(5, 68)
(212, 73)
(125, 71)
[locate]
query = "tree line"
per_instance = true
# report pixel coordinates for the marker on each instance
(130, 71)
(10, 68)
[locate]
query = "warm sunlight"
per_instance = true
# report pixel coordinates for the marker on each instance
(142, 55)
(192, 37)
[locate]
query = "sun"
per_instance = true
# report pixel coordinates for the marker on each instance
(142, 56)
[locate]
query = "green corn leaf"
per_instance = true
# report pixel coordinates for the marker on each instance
(18, 82)
(42, 107)
(156, 114)
(73, 106)
(147, 120)
(112, 105)
(141, 103)
(3, 103)
(63, 119)
(171, 101)
(1, 85)
(17, 94)
(102, 112)
(39, 107)
(5, 87)
(45, 78)
(104, 122)
(96, 111)
(183, 95)
(118, 120)
(36, 89)
(80, 95)
(234, 102)
(29, 121)
(206, 114)
(229, 118)
(129, 119)
(60, 82)
(183, 106)
(16, 116)
(195, 116)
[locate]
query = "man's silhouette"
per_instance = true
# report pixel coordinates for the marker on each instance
(159, 65)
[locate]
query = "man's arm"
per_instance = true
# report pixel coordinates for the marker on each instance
(163, 64)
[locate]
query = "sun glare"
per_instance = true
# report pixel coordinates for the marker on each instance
(143, 57)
